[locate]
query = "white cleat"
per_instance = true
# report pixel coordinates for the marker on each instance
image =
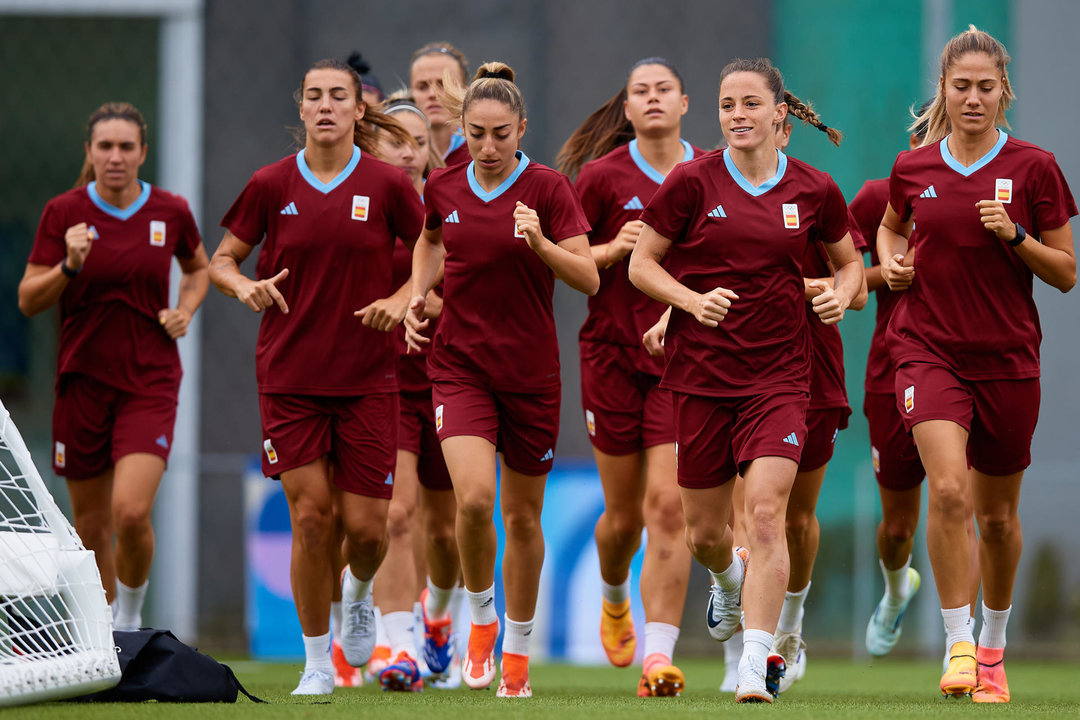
(883, 630)
(358, 631)
(792, 648)
(315, 682)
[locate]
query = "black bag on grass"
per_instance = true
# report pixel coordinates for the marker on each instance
(154, 665)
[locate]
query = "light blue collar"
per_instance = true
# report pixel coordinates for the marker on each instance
(651, 172)
(979, 164)
(322, 187)
(741, 181)
(456, 141)
(116, 212)
(523, 162)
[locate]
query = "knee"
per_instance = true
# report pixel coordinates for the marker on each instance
(131, 520)
(476, 508)
(522, 523)
(705, 538)
(398, 521)
(898, 531)
(624, 524)
(798, 525)
(765, 523)
(951, 497)
(312, 527)
(997, 527)
(665, 514)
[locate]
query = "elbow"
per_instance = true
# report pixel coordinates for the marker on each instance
(1067, 283)
(859, 301)
(592, 285)
(26, 304)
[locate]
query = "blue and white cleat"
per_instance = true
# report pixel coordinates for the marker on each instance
(883, 630)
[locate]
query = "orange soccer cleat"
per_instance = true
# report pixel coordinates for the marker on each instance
(617, 632)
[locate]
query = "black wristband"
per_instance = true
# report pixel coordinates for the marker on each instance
(68, 271)
(1021, 236)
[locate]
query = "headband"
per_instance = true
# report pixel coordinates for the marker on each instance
(411, 108)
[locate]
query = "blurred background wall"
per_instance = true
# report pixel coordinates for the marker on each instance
(862, 64)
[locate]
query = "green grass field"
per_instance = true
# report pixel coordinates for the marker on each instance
(831, 689)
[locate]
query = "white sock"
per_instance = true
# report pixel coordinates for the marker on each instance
(896, 581)
(353, 589)
(482, 606)
(399, 631)
(381, 637)
(616, 594)
(957, 627)
(993, 629)
(129, 603)
(660, 638)
(335, 619)
(457, 600)
(791, 613)
(733, 648)
(516, 637)
(438, 600)
(113, 606)
(757, 644)
(730, 579)
(317, 654)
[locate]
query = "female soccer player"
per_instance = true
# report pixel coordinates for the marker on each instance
(104, 251)
(329, 215)
(636, 136)
(966, 343)
(505, 227)
(739, 221)
(430, 64)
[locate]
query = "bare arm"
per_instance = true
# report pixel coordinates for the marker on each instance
(848, 289)
(194, 282)
(42, 285)
(609, 253)
(226, 276)
(428, 256)
(1052, 260)
(892, 247)
(570, 259)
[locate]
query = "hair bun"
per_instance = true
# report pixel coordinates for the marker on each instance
(358, 63)
(497, 70)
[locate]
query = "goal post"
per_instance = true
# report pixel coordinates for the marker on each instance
(55, 625)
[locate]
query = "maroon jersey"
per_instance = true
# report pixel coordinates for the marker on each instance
(458, 152)
(337, 240)
(868, 208)
(497, 322)
(970, 304)
(727, 233)
(614, 190)
(109, 325)
(411, 366)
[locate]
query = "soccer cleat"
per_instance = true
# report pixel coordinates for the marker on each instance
(345, 675)
(449, 680)
(515, 676)
(438, 649)
(775, 672)
(753, 687)
(380, 658)
(960, 677)
(883, 630)
(315, 682)
(724, 611)
(791, 647)
(402, 675)
(358, 631)
(478, 665)
(617, 632)
(992, 686)
(660, 678)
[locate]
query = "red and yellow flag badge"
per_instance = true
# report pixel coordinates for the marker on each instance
(157, 233)
(360, 204)
(791, 216)
(909, 398)
(1003, 190)
(60, 455)
(271, 453)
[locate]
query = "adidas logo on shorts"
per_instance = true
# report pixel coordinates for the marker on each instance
(549, 455)
(792, 440)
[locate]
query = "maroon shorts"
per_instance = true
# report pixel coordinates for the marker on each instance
(896, 459)
(999, 415)
(416, 434)
(522, 426)
(359, 433)
(717, 437)
(94, 425)
(625, 410)
(822, 427)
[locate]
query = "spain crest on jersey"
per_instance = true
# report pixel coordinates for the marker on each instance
(791, 216)
(1003, 190)
(157, 233)
(360, 204)
(909, 398)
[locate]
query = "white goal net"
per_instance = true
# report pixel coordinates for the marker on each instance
(55, 626)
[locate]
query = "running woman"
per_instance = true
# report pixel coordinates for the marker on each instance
(966, 344)
(738, 222)
(506, 227)
(897, 467)
(328, 217)
(104, 251)
(636, 138)
(431, 64)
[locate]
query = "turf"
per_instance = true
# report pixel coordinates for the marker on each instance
(831, 689)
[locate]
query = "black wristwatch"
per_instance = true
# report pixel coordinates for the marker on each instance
(1021, 236)
(68, 271)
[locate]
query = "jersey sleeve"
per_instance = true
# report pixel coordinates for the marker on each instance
(857, 236)
(49, 246)
(670, 209)
(866, 215)
(590, 189)
(246, 218)
(898, 194)
(564, 215)
(190, 239)
(1052, 202)
(834, 214)
(407, 215)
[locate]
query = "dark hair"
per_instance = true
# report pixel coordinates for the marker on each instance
(493, 81)
(607, 128)
(922, 123)
(109, 111)
(368, 80)
(443, 48)
(374, 119)
(775, 81)
(971, 40)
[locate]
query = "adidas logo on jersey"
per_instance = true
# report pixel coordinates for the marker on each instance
(792, 440)
(718, 212)
(452, 218)
(549, 455)
(634, 204)
(929, 192)
(290, 209)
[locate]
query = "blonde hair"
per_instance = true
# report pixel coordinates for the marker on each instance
(403, 101)
(935, 118)
(775, 81)
(109, 111)
(493, 81)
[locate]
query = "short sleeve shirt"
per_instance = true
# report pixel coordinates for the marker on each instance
(868, 208)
